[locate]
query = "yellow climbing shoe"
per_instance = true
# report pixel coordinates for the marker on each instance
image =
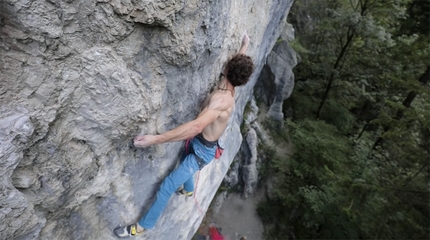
(182, 191)
(127, 231)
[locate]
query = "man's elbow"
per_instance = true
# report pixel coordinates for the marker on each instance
(197, 128)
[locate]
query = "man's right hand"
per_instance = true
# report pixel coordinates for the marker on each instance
(245, 43)
(245, 40)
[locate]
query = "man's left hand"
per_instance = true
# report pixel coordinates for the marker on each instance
(145, 140)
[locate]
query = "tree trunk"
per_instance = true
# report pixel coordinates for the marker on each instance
(362, 131)
(336, 65)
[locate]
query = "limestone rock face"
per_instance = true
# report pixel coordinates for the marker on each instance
(243, 172)
(79, 79)
(249, 169)
(276, 82)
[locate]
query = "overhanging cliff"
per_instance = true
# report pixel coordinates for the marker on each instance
(80, 79)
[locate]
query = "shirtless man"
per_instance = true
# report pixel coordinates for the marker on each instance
(204, 133)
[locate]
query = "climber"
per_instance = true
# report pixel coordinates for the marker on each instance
(203, 134)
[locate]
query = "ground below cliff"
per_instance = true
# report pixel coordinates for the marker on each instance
(237, 217)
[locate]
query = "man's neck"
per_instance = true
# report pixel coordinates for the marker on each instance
(225, 85)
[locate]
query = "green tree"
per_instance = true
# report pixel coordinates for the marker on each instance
(360, 169)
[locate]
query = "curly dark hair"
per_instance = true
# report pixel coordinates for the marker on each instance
(239, 69)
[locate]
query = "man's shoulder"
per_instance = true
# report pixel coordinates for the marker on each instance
(221, 101)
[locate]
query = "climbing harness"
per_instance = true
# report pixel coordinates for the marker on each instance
(219, 150)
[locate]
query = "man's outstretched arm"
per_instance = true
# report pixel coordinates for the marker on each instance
(186, 130)
(183, 132)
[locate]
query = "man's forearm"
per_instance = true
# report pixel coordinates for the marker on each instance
(183, 132)
(243, 49)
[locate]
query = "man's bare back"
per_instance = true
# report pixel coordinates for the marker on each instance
(225, 100)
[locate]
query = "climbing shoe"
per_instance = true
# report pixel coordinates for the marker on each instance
(127, 231)
(182, 191)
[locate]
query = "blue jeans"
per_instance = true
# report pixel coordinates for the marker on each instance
(184, 174)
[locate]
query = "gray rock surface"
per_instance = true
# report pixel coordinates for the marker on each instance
(79, 79)
(252, 115)
(276, 82)
(250, 168)
(243, 172)
(231, 179)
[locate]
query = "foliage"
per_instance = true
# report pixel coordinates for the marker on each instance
(308, 176)
(295, 44)
(279, 135)
(361, 131)
(246, 112)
